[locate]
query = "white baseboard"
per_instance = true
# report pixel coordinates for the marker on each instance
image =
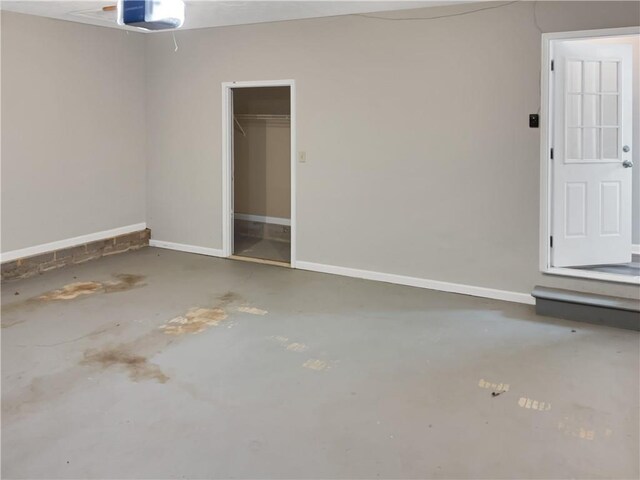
(262, 219)
(69, 242)
(377, 276)
(181, 247)
(635, 249)
(420, 282)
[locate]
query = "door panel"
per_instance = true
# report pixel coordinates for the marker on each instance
(576, 209)
(591, 121)
(610, 208)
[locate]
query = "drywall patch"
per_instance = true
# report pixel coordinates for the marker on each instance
(196, 320)
(531, 404)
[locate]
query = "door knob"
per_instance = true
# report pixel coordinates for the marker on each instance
(626, 148)
(627, 164)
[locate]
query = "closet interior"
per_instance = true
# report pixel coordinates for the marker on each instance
(262, 173)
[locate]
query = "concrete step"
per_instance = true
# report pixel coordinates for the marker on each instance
(588, 307)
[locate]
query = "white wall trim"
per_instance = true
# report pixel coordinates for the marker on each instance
(635, 249)
(181, 247)
(70, 242)
(420, 282)
(227, 129)
(262, 219)
(545, 145)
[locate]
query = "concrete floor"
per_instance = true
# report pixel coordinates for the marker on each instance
(263, 248)
(289, 374)
(631, 269)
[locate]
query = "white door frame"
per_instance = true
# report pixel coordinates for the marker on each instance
(227, 130)
(545, 148)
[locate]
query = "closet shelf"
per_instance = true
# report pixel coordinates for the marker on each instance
(254, 116)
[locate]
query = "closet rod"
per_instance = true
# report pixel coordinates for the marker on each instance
(259, 116)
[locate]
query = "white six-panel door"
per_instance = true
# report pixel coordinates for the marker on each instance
(591, 166)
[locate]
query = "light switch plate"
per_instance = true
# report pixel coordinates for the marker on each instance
(302, 157)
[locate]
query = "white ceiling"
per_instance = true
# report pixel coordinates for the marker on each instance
(215, 13)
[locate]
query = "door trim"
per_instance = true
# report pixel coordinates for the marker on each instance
(545, 160)
(227, 130)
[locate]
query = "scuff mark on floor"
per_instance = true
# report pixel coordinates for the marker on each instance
(292, 347)
(196, 320)
(496, 387)
(585, 423)
(11, 323)
(529, 403)
(316, 364)
(252, 310)
(228, 298)
(126, 281)
(95, 333)
(297, 347)
(279, 338)
(581, 432)
(137, 366)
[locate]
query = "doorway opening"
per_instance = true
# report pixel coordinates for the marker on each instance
(590, 182)
(260, 199)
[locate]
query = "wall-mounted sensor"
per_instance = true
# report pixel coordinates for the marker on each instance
(534, 120)
(151, 14)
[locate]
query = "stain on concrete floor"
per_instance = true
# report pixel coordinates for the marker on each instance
(73, 291)
(297, 347)
(131, 357)
(403, 404)
(196, 320)
(316, 364)
(137, 366)
(123, 283)
(252, 310)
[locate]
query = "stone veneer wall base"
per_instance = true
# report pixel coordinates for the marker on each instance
(38, 264)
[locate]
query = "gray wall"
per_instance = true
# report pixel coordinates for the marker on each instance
(419, 158)
(420, 161)
(73, 137)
